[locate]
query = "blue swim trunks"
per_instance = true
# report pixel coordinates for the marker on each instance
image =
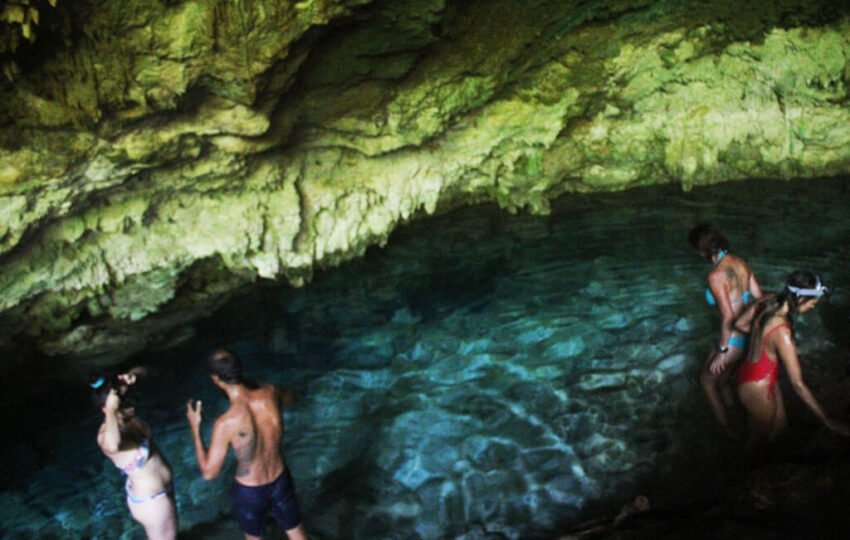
(253, 503)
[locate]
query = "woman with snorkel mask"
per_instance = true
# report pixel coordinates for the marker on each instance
(772, 324)
(126, 440)
(731, 287)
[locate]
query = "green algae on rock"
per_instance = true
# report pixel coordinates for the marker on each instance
(146, 138)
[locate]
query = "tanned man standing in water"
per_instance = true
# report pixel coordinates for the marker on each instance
(253, 426)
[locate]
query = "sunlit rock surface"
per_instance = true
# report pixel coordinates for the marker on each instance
(155, 156)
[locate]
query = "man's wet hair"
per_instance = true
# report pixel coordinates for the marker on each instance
(226, 365)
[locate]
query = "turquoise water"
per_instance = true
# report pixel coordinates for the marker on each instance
(482, 376)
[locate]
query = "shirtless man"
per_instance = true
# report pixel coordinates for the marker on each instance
(253, 426)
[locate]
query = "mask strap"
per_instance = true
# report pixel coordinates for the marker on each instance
(818, 291)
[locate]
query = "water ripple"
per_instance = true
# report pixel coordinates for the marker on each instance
(483, 374)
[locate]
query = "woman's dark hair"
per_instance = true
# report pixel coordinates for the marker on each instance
(102, 383)
(800, 279)
(706, 239)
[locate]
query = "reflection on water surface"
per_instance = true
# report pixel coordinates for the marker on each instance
(482, 374)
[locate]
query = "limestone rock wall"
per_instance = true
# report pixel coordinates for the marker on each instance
(157, 155)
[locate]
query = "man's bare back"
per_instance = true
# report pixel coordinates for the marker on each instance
(253, 426)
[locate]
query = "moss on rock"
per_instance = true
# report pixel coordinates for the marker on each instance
(273, 137)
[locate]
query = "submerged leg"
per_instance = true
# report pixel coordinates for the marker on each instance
(726, 382)
(158, 516)
(781, 420)
(710, 386)
(761, 414)
(723, 384)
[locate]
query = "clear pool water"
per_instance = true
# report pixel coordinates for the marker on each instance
(482, 376)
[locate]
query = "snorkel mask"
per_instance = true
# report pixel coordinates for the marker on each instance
(820, 289)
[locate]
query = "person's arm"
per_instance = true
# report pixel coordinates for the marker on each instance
(744, 322)
(755, 288)
(717, 283)
(209, 460)
(787, 351)
(109, 438)
(133, 375)
(129, 378)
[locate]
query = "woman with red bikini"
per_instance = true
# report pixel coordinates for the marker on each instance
(772, 324)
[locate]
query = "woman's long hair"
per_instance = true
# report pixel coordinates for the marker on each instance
(707, 240)
(802, 279)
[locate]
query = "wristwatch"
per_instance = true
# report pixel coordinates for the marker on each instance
(723, 349)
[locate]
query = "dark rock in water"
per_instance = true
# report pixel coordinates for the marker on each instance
(799, 499)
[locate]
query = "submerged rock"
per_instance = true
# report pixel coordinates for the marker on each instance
(675, 364)
(602, 381)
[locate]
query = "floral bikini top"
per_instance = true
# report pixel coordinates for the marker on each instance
(140, 457)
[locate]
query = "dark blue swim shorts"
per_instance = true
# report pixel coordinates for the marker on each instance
(253, 503)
